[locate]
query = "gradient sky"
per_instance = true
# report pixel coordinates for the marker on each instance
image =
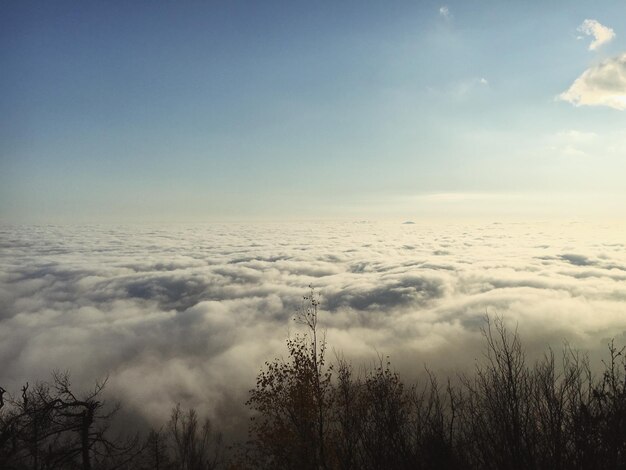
(163, 110)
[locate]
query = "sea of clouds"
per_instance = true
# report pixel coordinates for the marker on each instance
(189, 314)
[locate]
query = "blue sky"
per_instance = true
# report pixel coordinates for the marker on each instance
(207, 111)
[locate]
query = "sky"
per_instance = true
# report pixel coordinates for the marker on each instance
(212, 111)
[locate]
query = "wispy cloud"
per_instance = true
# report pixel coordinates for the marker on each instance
(574, 136)
(572, 143)
(462, 89)
(601, 34)
(444, 11)
(601, 85)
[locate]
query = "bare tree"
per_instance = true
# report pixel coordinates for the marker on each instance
(498, 419)
(195, 446)
(51, 427)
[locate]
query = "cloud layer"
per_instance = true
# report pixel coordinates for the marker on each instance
(601, 85)
(189, 314)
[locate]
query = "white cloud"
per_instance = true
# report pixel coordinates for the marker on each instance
(601, 85)
(444, 11)
(601, 34)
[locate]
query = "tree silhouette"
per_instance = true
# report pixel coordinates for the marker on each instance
(507, 414)
(50, 427)
(292, 401)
